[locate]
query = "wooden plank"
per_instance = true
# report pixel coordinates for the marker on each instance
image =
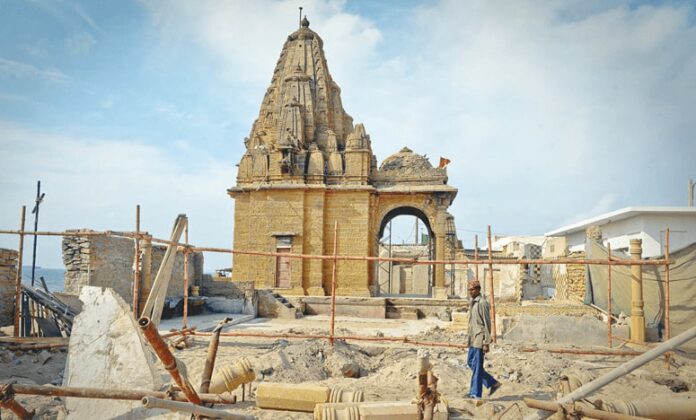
(155, 301)
(34, 340)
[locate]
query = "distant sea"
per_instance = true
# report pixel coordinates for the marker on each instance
(53, 277)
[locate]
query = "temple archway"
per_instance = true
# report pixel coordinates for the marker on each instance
(405, 232)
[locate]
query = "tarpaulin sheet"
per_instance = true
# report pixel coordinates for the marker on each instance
(682, 289)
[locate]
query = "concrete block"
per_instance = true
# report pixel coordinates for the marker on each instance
(106, 351)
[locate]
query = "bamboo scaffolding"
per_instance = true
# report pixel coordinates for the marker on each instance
(192, 248)
(554, 407)
(136, 263)
(186, 275)
(609, 342)
(7, 401)
(18, 287)
(197, 411)
(492, 290)
(333, 285)
(667, 329)
(110, 394)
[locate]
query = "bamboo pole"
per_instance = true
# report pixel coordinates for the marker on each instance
(476, 272)
(333, 284)
(186, 276)
(622, 370)
(18, 285)
(583, 352)
(136, 269)
(667, 328)
(7, 401)
(198, 410)
(567, 261)
(609, 297)
(110, 394)
(492, 290)
(167, 359)
(554, 407)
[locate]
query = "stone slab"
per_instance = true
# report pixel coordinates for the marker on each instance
(106, 351)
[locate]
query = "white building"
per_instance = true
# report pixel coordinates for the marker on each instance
(646, 223)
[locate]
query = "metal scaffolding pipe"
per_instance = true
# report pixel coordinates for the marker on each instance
(622, 370)
(152, 402)
(167, 359)
(110, 394)
(211, 356)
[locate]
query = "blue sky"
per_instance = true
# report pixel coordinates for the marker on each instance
(550, 111)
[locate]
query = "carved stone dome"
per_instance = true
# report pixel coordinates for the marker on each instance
(405, 161)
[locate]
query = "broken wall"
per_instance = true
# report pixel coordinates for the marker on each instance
(108, 262)
(8, 285)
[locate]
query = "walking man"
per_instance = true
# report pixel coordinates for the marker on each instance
(479, 342)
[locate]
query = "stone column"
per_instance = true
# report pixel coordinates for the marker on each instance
(440, 229)
(637, 314)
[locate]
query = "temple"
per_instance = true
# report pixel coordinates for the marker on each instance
(306, 167)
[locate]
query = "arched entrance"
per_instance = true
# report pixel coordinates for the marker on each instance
(405, 232)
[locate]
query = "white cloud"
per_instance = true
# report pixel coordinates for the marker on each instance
(542, 106)
(16, 69)
(247, 36)
(96, 183)
(80, 43)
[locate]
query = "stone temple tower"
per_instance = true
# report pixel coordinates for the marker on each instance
(307, 166)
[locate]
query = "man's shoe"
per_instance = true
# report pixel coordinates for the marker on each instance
(494, 388)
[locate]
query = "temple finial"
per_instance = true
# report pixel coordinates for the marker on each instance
(300, 21)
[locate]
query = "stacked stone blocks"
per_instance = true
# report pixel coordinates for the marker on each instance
(8, 285)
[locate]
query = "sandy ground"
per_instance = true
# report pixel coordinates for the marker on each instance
(387, 371)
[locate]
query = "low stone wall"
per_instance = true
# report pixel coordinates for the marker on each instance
(346, 306)
(8, 285)
(224, 286)
(108, 262)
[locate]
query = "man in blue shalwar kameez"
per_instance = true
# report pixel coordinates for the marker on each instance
(479, 342)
